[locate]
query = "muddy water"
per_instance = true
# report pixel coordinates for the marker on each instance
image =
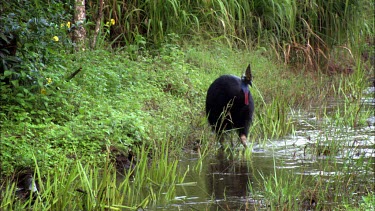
(222, 182)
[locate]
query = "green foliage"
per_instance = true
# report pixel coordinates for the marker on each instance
(368, 202)
(114, 100)
(39, 39)
(33, 42)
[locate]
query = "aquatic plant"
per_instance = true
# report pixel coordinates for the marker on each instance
(334, 167)
(274, 121)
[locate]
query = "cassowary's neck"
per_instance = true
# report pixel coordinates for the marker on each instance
(245, 90)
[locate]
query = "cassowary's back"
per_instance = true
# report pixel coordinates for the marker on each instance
(223, 90)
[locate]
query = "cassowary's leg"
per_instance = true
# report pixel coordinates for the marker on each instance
(243, 140)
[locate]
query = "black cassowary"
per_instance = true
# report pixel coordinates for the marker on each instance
(230, 105)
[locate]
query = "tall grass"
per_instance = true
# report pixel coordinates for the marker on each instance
(274, 121)
(299, 31)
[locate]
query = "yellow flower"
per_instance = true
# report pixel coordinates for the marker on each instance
(43, 91)
(55, 38)
(67, 24)
(113, 22)
(49, 80)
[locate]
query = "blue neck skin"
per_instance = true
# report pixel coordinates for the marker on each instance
(245, 88)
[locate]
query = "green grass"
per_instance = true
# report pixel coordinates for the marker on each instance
(331, 189)
(298, 32)
(82, 185)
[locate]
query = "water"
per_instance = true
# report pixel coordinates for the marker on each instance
(222, 182)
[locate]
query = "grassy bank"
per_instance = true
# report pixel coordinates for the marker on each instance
(122, 102)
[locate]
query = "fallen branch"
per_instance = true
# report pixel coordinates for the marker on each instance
(73, 74)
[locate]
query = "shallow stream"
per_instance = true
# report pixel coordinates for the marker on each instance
(222, 183)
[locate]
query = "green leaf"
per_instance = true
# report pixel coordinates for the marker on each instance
(7, 73)
(15, 83)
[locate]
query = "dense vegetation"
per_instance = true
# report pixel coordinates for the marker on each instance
(143, 84)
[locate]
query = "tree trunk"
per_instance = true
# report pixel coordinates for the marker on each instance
(97, 25)
(79, 34)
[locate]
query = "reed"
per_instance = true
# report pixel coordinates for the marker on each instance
(352, 111)
(292, 189)
(301, 32)
(89, 186)
(274, 120)
(337, 166)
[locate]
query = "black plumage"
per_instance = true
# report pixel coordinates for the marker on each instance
(229, 104)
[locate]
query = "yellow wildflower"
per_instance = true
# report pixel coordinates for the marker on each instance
(113, 21)
(43, 91)
(49, 80)
(67, 24)
(55, 38)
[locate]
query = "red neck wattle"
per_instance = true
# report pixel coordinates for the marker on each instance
(246, 98)
(245, 90)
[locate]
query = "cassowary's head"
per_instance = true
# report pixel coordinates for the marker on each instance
(245, 82)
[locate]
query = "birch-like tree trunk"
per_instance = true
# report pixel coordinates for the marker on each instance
(79, 34)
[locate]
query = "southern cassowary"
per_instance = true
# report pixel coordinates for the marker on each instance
(230, 105)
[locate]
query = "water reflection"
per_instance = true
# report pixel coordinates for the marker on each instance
(222, 183)
(225, 172)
